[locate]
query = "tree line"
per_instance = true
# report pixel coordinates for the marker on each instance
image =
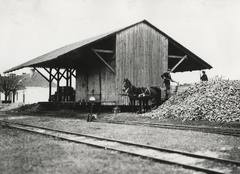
(9, 83)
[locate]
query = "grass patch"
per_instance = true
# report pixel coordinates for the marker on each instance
(23, 152)
(28, 153)
(192, 141)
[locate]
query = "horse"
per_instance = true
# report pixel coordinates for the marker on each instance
(143, 94)
(132, 92)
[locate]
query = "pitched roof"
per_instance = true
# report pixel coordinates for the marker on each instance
(33, 80)
(44, 60)
(60, 51)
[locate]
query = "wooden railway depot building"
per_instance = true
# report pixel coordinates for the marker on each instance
(140, 52)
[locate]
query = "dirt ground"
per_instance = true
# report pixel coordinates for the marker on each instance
(26, 153)
(23, 152)
(71, 112)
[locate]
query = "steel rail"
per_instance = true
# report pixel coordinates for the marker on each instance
(131, 143)
(222, 131)
(10, 124)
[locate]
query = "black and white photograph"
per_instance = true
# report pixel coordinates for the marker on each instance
(119, 86)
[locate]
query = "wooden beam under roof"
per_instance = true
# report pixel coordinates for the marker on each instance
(180, 61)
(104, 61)
(104, 51)
(175, 57)
(41, 74)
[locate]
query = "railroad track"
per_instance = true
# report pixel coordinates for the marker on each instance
(187, 160)
(214, 130)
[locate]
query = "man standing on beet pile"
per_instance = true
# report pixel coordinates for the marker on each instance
(167, 78)
(204, 76)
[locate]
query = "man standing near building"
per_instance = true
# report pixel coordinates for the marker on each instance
(167, 81)
(204, 76)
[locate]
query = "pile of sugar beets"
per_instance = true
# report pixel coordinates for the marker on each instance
(216, 100)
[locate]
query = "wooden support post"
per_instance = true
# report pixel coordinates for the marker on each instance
(72, 73)
(65, 95)
(67, 84)
(58, 80)
(50, 85)
(100, 84)
(67, 73)
(70, 78)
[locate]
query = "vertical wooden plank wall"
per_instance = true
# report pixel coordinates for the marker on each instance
(99, 78)
(81, 85)
(108, 84)
(141, 56)
(93, 77)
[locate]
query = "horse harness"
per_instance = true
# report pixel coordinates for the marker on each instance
(144, 92)
(129, 90)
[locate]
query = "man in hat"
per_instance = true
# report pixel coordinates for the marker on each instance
(167, 81)
(204, 76)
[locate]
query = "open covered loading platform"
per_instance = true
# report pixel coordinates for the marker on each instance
(140, 52)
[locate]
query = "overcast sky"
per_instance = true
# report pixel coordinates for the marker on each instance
(209, 28)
